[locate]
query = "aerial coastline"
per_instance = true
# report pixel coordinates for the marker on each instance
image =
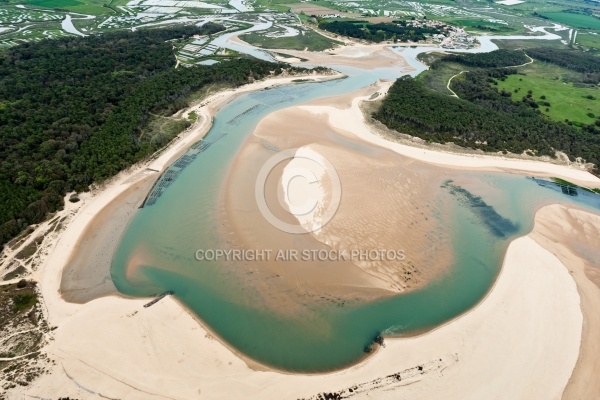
(517, 316)
(484, 324)
(133, 186)
(170, 307)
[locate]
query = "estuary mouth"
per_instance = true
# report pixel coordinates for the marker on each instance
(268, 200)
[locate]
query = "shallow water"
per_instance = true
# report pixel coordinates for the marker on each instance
(156, 253)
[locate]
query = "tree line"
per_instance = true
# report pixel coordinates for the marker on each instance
(482, 118)
(72, 111)
(570, 59)
(494, 59)
(398, 31)
(586, 64)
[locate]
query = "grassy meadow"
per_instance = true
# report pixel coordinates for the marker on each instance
(567, 102)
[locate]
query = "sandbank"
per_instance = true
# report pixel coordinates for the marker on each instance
(400, 217)
(483, 354)
(503, 348)
(87, 273)
(351, 120)
(574, 237)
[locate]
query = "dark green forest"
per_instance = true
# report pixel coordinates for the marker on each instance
(72, 110)
(588, 65)
(494, 59)
(571, 59)
(482, 118)
(396, 31)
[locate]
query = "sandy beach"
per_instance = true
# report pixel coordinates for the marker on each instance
(405, 203)
(165, 342)
(114, 347)
(351, 120)
(573, 236)
(352, 54)
(85, 276)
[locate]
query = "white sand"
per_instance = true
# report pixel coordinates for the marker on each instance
(510, 2)
(299, 193)
(50, 272)
(501, 349)
(352, 120)
(574, 237)
(507, 347)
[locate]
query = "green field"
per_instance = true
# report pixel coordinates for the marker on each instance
(55, 3)
(114, 3)
(588, 40)
(310, 40)
(566, 101)
(479, 25)
(276, 5)
(574, 20)
(527, 44)
(81, 6)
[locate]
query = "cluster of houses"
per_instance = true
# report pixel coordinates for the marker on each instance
(452, 37)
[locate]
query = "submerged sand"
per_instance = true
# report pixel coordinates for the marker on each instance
(503, 348)
(85, 276)
(387, 203)
(485, 353)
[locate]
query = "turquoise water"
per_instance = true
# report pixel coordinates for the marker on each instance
(156, 252)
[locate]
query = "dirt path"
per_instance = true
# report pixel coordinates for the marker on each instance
(510, 66)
